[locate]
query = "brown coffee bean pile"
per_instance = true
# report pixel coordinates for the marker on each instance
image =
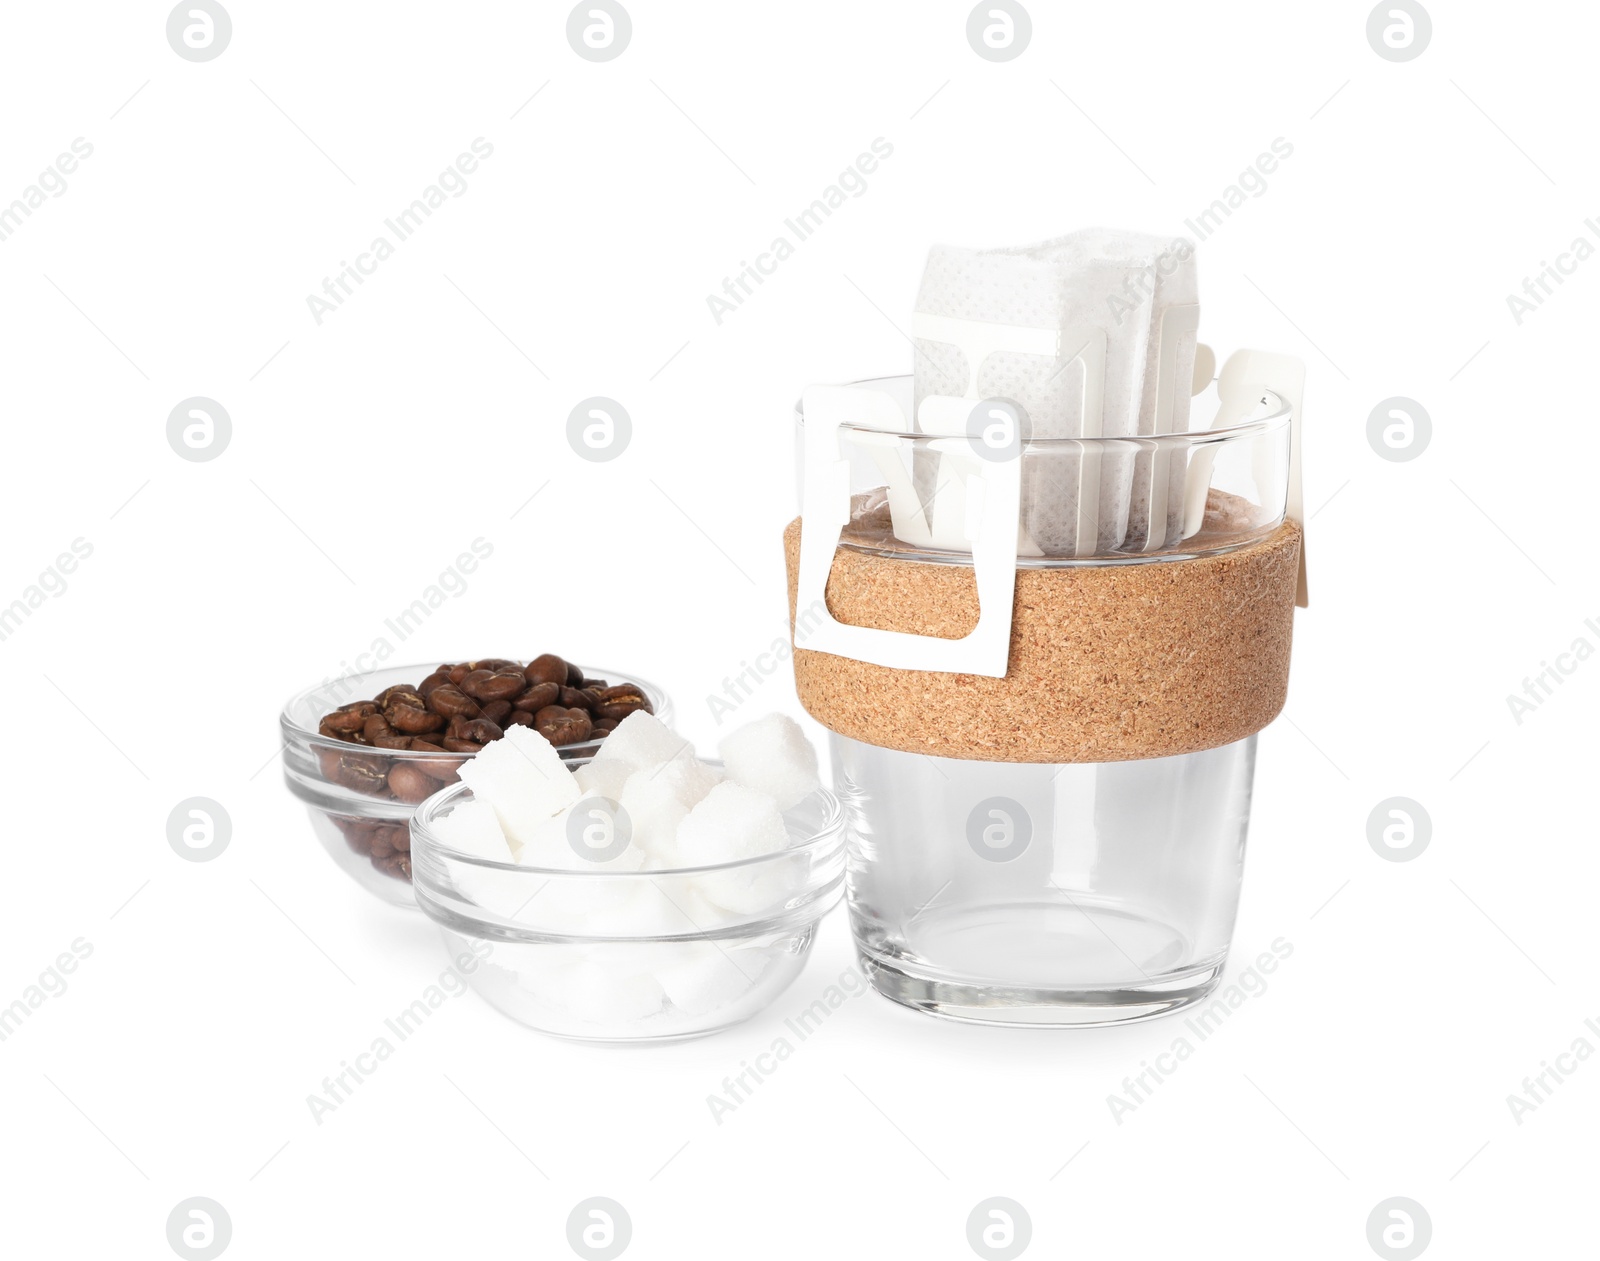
(458, 709)
(388, 845)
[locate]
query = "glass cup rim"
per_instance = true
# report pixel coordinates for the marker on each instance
(828, 834)
(314, 739)
(1278, 418)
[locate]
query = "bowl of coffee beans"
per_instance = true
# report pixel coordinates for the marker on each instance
(363, 750)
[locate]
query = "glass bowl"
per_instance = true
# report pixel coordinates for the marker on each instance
(635, 956)
(344, 786)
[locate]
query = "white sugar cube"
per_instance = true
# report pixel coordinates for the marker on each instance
(772, 755)
(473, 828)
(596, 826)
(614, 993)
(730, 823)
(701, 976)
(602, 985)
(605, 778)
(640, 740)
(523, 777)
(657, 799)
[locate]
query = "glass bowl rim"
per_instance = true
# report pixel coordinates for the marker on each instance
(828, 834)
(1277, 419)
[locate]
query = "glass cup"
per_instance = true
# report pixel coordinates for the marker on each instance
(1036, 894)
(1031, 893)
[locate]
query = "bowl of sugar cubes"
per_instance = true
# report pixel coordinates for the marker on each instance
(642, 894)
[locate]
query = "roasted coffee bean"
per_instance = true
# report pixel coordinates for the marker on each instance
(576, 698)
(481, 730)
(481, 685)
(457, 673)
(562, 726)
(403, 693)
(365, 775)
(606, 724)
(455, 745)
(470, 684)
(412, 720)
(452, 702)
(547, 669)
(357, 834)
(392, 696)
(519, 718)
(328, 760)
(620, 701)
(574, 675)
(375, 726)
(600, 733)
(348, 719)
(392, 742)
(538, 696)
(499, 664)
(498, 711)
(596, 684)
(409, 784)
(396, 865)
(432, 681)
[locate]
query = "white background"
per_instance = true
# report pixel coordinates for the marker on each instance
(370, 450)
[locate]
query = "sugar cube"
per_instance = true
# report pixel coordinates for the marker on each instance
(523, 777)
(641, 740)
(473, 828)
(772, 755)
(730, 823)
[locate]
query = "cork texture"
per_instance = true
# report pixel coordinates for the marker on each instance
(1108, 662)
